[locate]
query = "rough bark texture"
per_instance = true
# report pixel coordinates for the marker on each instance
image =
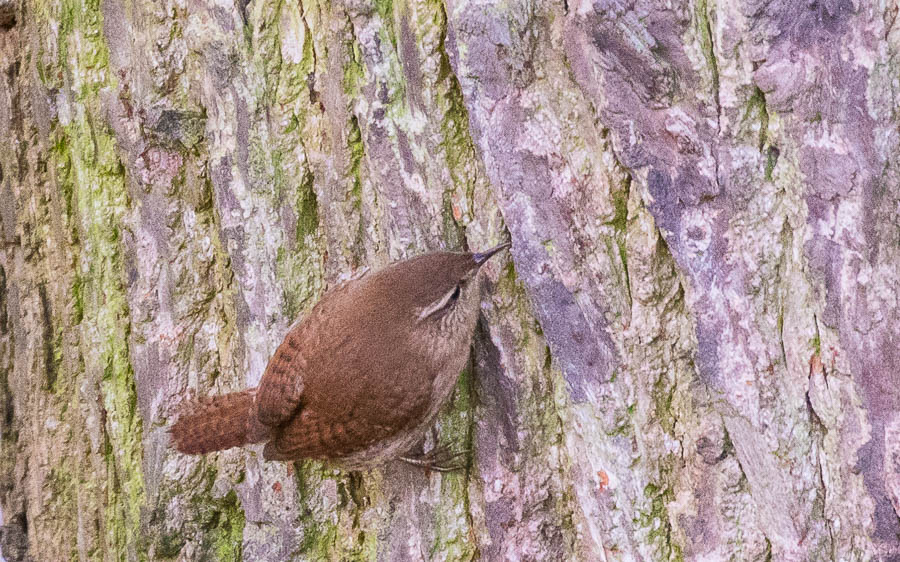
(694, 352)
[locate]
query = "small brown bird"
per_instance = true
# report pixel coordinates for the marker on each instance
(361, 378)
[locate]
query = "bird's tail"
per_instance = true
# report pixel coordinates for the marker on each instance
(214, 423)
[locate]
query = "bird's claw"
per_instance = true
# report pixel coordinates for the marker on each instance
(439, 459)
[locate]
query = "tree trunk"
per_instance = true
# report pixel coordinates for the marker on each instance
(693, 353)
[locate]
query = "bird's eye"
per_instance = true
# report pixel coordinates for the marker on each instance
(443, 305)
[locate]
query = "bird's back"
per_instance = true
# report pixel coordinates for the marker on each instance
(361, 379)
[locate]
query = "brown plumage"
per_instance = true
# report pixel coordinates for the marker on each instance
(213, 423)
(361, 377)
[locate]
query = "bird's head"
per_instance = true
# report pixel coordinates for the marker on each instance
(440, 289)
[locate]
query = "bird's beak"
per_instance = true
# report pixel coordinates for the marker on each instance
(482, 257)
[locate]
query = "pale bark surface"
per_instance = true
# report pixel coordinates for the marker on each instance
(692, 353)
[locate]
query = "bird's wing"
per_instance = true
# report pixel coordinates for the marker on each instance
(281, 387)
(311, 435)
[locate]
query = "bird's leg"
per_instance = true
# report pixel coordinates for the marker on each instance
(439, 459)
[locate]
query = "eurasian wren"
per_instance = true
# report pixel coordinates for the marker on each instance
(361, 378)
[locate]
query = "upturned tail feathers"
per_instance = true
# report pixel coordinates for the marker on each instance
(215, 423)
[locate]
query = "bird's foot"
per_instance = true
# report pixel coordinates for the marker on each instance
(439, 459)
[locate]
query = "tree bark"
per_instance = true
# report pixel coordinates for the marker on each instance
(693, 352)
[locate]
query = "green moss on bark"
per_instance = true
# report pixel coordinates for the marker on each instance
(226, 528)
(704, 31)
(385, 9)
(452, 523)
(356, 151)
(354, 72)
(456, 142)
(333, 505)
(656, 521)
(94, 182)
